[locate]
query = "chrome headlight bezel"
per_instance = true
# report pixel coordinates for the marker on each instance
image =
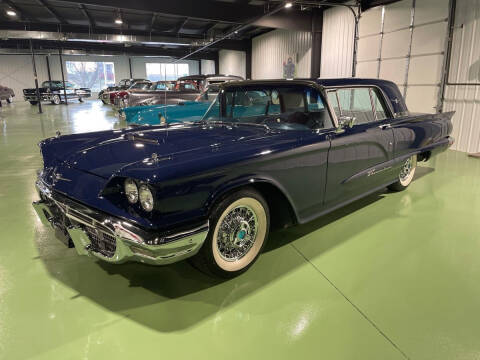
(145, 198)
(131, 191)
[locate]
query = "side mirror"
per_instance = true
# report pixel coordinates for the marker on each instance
(346, 121)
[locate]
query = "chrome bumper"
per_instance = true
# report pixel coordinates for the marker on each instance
(121, 241)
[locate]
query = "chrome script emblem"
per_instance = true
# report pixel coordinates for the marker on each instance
(59, 176)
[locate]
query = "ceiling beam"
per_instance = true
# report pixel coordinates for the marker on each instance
(152, 22)
(91, 21)
(70, 28)
(180, 26)
(52, 11)
(208, 28)
(205, 9)
(103, 49)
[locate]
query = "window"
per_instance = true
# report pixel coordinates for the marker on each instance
(287, 107)
(358, 102)
(141, 86)
(91, 74)
(165, 71)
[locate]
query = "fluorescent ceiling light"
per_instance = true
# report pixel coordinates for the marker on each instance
(11, 13)
(118, 21)
(288, 5)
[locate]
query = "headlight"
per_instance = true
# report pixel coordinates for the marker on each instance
(146, 198)
(131, 191)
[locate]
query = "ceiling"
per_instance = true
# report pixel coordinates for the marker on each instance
(172, 27)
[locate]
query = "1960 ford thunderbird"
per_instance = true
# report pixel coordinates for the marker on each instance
(267, 153)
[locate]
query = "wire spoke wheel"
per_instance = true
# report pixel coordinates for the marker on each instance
(239, 234)
(407, 171)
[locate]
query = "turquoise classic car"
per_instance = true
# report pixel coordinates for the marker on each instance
(161, 113)
(158, 114)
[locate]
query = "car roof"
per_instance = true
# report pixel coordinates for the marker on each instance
(389, 88)
(208, 76)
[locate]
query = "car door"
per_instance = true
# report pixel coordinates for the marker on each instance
(360, 154)
(300, 113)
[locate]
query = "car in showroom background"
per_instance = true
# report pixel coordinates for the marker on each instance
(56, 92)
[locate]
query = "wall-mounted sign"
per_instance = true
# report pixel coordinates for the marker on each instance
(290, 67)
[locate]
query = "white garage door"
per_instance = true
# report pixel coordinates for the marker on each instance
(405, 42)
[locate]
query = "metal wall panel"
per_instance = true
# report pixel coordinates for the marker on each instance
(232, 62)
(337, 43)
(465, 68)
(270, 50)
(208, 67)
(16, 72)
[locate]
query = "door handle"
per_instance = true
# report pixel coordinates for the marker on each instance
(385, 126)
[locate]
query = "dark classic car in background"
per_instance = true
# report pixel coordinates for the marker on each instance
(55, 91)
(6, 94)
(186, 89)
(267, 153)
(124, 84)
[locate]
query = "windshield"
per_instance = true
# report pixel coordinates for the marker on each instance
(142, 86)
(292, 107)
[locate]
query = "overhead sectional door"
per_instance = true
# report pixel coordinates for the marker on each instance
(405, 42)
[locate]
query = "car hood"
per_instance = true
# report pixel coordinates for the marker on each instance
(135, 150)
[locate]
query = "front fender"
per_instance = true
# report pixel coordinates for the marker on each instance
(247, 181)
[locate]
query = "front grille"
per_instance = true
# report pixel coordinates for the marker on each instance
(101, 242)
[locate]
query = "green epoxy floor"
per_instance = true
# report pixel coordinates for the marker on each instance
(392, 276)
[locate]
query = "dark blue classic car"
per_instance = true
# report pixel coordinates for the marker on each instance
(267, 153)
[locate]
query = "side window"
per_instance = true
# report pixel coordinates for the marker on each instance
(318, 114)
(364, 104)
(356, 102)
(380, 111)
(333, 100)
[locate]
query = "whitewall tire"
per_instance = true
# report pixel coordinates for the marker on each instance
(56, 100)
(407, 172)
(239, 227)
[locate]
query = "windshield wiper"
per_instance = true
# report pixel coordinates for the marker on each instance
(252, 124)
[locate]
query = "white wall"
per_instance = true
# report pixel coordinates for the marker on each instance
(139, 69)
(465, 68)
(208, 67)
(337, 43)
(16, 71)
(232, 62)
(270, 50)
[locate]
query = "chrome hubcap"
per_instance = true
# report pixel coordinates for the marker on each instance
(237, 233)
(406, 169)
